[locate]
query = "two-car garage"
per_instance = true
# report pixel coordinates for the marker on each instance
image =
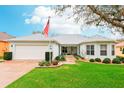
(33, 50)
(33, 47)
(30, 52)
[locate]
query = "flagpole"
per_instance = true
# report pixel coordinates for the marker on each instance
(50, 60)
(45, 32)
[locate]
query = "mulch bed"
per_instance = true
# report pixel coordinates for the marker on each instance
(85, 60)
(51, 66)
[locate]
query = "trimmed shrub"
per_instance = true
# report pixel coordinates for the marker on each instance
(97, 59)
(60, 58)
(92, 60)
(7, 56)
(107, 60)
(121, 58)
(44, 63)
(57, 58)
(77, 57)
(47, 63)
(55, 62)
(116, 61)
(41, 63)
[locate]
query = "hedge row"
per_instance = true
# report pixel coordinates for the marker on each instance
(116, 60)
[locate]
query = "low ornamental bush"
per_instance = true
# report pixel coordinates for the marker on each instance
(107, 60)
(57, 58)
(92, 60)
(41, 63)
(7, 56)
(97, 59)
(116, 61)
(77, 57)
(121, 58)
(60, 58)
(47, 63)
(55, 62)
(44, 63)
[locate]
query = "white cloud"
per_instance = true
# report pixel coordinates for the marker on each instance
(33, 20)
(43, 11)
(58, 24)
(61, 24)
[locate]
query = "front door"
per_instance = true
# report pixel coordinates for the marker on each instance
(64, 50)
(69, 50)
(74, 50)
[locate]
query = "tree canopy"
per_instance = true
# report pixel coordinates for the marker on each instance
(100, 15)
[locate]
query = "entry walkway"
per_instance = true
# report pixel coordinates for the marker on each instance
(70, 59)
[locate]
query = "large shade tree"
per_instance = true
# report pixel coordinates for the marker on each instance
(100, 15)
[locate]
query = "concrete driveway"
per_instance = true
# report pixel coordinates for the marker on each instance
(12, 70)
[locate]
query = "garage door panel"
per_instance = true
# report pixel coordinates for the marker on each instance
(30, 52)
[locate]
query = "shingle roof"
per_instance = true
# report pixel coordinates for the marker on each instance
(70, 39)
(33, 37)
(4, 36)
(98, 38)
(62, 39)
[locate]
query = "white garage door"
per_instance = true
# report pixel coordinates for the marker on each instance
(30, 52)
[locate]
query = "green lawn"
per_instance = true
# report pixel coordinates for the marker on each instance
(80, 75)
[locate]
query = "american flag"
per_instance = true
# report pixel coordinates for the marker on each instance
(46, 29)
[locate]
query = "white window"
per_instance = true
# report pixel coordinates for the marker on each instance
(90, 49)
(113, 50)
(103, 50)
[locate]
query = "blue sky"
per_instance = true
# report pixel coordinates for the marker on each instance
(23, 20)
(12, 20)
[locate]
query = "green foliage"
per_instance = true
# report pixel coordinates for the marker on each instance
(44, 63)
(83, 75)
(77, 57)
(47, 63)
(57, 58)
(41, 63)
(60, 58)
(121, 58)
(7, 56)
(116, 61)
(97, 59)
(107, 60)
(92, 60)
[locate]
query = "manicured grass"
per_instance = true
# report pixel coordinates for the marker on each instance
(80, 75)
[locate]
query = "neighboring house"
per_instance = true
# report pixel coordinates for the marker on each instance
(4, 45)
(35, 46)
(120, 49)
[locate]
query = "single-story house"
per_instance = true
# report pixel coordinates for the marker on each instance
(4, 45)
(119, 49)
(35, 46)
